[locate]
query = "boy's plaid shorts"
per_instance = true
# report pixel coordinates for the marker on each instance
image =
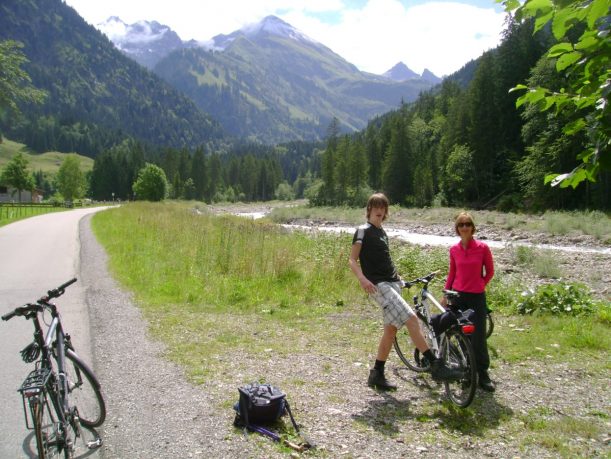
(395, 309)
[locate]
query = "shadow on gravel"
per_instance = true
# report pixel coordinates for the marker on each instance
(386, 414)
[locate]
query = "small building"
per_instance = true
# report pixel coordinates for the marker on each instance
(10, 194)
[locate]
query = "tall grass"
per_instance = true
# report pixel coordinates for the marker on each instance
(215, 262)
(226, 282)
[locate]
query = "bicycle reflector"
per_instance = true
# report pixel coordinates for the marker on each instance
(468, 329)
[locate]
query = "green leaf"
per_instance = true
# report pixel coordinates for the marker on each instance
(518, 87)
(598, 9)
(510, 5)
(561, 23)
(542, 20)
(567, 59)
(549, 101)
(559, 49)
(586, 42)
(551, 177)
(531, 97)
(532, 6)
(574, 127)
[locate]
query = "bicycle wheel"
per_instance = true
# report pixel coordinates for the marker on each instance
(489, 325)
(457, 353)
(408, 353)
(84, 391)
(49, 440)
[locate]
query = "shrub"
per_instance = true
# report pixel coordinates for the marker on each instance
(558, 298)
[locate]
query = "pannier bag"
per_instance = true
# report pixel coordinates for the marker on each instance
(260, 404)
(442, 322)
(263, 404)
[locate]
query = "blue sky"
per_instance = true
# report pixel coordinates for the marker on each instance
(374, 35)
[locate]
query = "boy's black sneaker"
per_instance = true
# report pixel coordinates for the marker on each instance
(377, 380)
(441, 372)
(485, 382)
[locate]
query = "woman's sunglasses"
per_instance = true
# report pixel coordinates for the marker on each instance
(463, 224)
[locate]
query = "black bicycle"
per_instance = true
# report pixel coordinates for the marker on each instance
(61, 395)
(446, 333)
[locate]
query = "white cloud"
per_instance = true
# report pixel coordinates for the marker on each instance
(440, 36)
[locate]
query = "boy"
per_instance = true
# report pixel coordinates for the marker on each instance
(372, 265)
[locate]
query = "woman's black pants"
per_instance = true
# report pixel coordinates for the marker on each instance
(477, 302)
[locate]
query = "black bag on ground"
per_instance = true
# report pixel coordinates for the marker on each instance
(259, 404)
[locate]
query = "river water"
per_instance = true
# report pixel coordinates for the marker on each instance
(435, 240)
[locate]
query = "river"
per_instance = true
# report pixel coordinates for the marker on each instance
(432, 239)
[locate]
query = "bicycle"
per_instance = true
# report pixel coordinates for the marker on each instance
(62, 393)
(452, 345)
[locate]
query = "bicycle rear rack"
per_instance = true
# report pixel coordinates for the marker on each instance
(35, 382)
(33, 386)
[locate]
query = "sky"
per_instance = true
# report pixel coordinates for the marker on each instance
(374, 35)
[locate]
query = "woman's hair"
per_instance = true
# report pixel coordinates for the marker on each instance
(461, 217)
(377, 200)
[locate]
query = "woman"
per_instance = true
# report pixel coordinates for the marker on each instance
(471, 268)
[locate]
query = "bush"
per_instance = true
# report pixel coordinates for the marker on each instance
(558, 298)
(151, 184)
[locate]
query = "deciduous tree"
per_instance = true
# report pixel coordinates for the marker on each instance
(70, 179)
(17, 175)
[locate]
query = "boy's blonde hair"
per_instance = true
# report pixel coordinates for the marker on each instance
(378, 200)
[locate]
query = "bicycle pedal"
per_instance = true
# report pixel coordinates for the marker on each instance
(94, 444)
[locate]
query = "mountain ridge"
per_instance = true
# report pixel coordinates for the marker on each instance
(270, 82)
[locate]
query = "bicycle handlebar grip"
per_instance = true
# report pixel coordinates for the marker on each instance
(60, 290)
(70, 282)
(9, 316)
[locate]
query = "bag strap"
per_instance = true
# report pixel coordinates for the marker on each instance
(308, 443)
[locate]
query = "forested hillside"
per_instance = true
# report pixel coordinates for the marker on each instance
(469, 146)
(96, 95)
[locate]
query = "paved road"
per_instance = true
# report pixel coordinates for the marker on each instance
(36, 254)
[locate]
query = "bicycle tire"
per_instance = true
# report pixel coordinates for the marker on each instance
(49, 442)
(84, 391)
(457, 353)
(408, 353)
(489, 325)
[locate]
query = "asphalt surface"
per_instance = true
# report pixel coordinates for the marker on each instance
(36, 255)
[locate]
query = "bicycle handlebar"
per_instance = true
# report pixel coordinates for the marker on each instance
(59, 291)
(420, 280)
(22, 311)
(31, 307)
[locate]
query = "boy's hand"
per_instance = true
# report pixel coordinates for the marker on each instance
(444, 302)
(367, 285)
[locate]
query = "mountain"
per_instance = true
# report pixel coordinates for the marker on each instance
(95, 93)
(272, 83)
(400, 72)
(429, 76)
(147, 42)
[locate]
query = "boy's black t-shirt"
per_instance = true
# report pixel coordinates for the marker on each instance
(375, 260)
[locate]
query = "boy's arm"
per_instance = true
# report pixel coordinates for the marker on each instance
(366, 284)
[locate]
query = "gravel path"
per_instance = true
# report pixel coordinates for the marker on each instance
(152, 411)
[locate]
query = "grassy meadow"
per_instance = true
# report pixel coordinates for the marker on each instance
(216, 286)
(49, 162)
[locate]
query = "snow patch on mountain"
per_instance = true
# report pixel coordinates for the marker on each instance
(140, 32)
(269, 25)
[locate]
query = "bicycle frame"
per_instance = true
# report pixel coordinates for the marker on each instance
(55, 335)
(50, 390)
